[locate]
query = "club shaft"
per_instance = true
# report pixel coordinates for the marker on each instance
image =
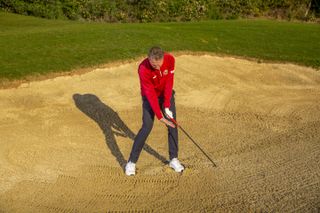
(197, 145)
(175, 122)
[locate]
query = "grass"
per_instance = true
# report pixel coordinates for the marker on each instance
(31, 46)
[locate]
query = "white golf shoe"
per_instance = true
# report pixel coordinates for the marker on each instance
(130, 169)
(176, 165)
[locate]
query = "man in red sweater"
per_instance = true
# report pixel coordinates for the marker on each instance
(156, 75)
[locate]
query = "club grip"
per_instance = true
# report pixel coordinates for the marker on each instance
(174, 121)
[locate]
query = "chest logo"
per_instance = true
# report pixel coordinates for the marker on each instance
(165, 72)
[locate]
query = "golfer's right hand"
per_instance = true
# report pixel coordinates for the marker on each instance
(167, 122)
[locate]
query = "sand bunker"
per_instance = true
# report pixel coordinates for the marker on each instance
(63, 141)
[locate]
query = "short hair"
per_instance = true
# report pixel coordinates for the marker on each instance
(156, 53)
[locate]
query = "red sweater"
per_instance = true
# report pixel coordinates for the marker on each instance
(157, 83)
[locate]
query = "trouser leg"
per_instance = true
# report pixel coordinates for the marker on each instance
(147, 124)
(173, 132)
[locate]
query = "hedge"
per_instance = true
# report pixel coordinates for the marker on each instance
(163, 10)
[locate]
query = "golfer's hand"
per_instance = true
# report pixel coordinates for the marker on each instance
(168, 123)
(168, 112)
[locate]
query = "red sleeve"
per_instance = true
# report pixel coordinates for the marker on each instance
(169, 83)
(148, 88)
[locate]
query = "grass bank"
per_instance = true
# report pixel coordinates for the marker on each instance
(32, 46)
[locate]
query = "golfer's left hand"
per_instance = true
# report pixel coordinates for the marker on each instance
(168, 112)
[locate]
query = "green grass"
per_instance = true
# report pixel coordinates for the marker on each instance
(38, 46)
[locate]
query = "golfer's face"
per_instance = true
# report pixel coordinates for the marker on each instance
(156, 64)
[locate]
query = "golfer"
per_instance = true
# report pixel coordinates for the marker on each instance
(156, 74)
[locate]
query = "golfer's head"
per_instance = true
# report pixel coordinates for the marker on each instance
(155, 57)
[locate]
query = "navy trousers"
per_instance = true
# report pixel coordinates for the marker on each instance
(147, 119)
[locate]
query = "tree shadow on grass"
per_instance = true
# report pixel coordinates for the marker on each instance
(111, 125)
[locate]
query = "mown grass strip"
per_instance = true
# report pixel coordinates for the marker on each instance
(32, 46)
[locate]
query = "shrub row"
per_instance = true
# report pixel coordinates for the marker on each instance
(163, 10)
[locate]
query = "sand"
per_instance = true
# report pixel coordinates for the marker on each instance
(64, 141)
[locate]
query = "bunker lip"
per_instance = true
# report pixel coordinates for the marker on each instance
(15, 83)
(63, 141)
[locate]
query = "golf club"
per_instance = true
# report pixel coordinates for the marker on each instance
(175, 122)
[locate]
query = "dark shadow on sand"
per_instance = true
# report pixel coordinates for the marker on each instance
(111, 125)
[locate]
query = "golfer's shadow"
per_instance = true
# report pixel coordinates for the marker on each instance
(111, 125)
